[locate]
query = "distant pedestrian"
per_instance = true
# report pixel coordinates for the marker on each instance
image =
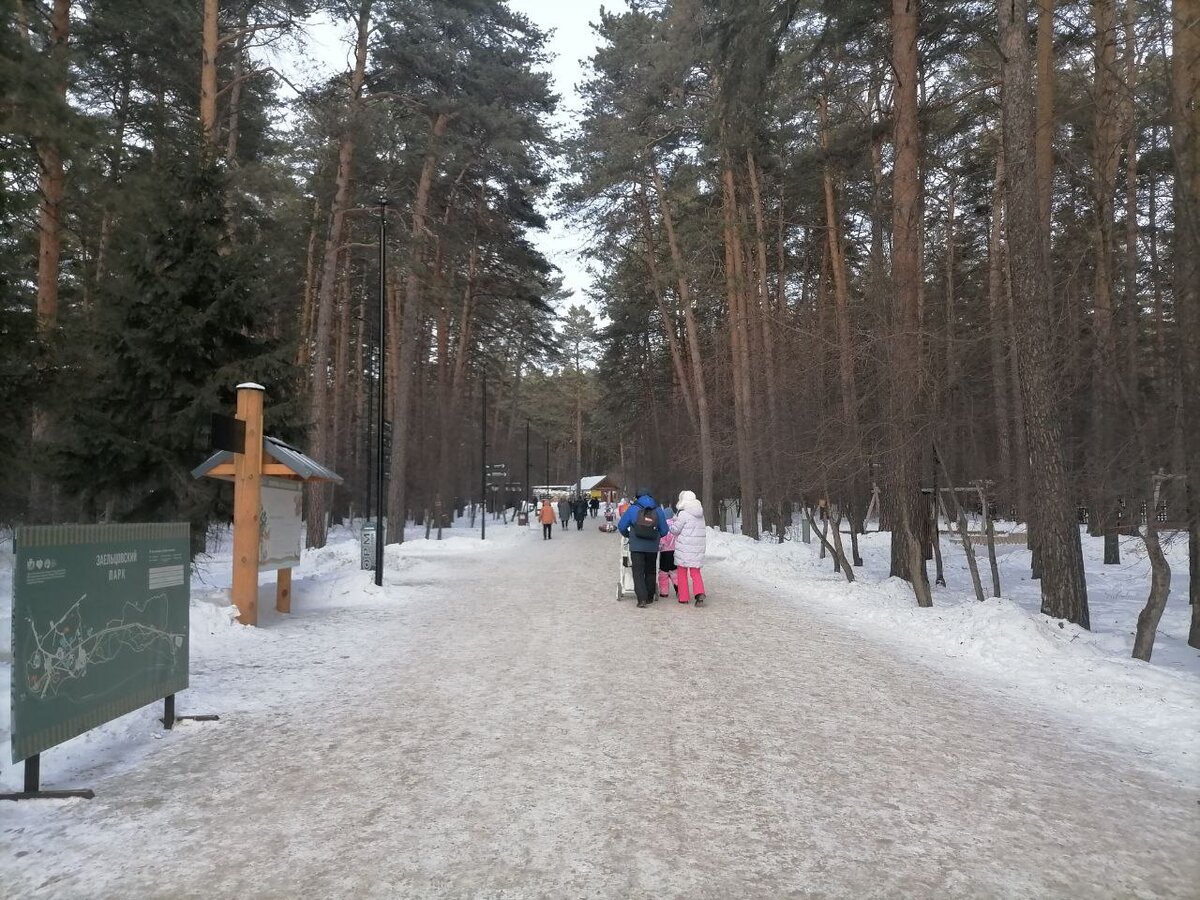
(546, 517)
(644, 523)
(690, 539)
(564, 512)
(594, 506)
(580, 507)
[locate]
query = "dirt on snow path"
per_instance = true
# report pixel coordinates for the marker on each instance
(506, 729)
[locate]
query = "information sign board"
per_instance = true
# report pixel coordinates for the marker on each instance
(280, 532)
(99, 626)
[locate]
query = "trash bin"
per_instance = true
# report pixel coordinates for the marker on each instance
(523, 519)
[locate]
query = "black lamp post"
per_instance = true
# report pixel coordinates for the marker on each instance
(483, 485)
(379, 510)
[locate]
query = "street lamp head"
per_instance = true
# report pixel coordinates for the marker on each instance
(381, 201)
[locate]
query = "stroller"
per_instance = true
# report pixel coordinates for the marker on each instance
(609, 524)
(625, 575)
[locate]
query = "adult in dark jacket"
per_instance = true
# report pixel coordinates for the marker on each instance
(594, 506)
(643, 551)
(579, 510)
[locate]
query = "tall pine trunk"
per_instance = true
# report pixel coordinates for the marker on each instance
(1105, 363)
(693, 341)
(208, 74)
(1129, 279)
(1064, 592)
(668, 316)
(764, 312)
(998, 341)
(739, 334)
(1044, 140)
(405, 343)
(1185, 146)
(841, 290)
(906, 276)
(321, 410)
(51, 185)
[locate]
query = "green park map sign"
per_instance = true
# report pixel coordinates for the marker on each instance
(99, 626)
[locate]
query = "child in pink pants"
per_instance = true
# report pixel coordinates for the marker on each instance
(688, 530)
(684, 574)
(666, 563)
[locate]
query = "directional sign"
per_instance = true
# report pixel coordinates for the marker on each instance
(227, 433)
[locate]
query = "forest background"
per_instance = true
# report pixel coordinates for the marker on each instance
(838, 247)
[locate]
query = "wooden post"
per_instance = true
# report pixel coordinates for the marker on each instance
(247, 503)
(283, 591)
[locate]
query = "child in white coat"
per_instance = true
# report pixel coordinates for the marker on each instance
(690, 538)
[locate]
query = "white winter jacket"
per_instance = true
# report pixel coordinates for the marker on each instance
(689, 528)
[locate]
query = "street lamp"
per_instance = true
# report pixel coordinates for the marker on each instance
(483, 485)
(379, 535)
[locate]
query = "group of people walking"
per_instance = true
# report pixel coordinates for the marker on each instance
(666, 547)
(577, 508)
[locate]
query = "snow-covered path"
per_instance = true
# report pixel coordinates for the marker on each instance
(512, 731)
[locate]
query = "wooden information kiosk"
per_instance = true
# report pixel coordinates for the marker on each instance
(263, 463)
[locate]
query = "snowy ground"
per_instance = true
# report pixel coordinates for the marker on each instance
(1085, 676)
(492, 723)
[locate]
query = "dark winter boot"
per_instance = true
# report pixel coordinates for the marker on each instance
(699, 599)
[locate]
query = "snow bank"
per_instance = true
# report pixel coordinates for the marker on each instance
(1005, 644)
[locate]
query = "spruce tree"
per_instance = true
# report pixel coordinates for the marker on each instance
(175, 334)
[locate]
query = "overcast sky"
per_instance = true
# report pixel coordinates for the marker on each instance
(572, 42)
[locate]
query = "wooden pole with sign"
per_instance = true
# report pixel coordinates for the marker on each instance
(246, 456)
(247, 503)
